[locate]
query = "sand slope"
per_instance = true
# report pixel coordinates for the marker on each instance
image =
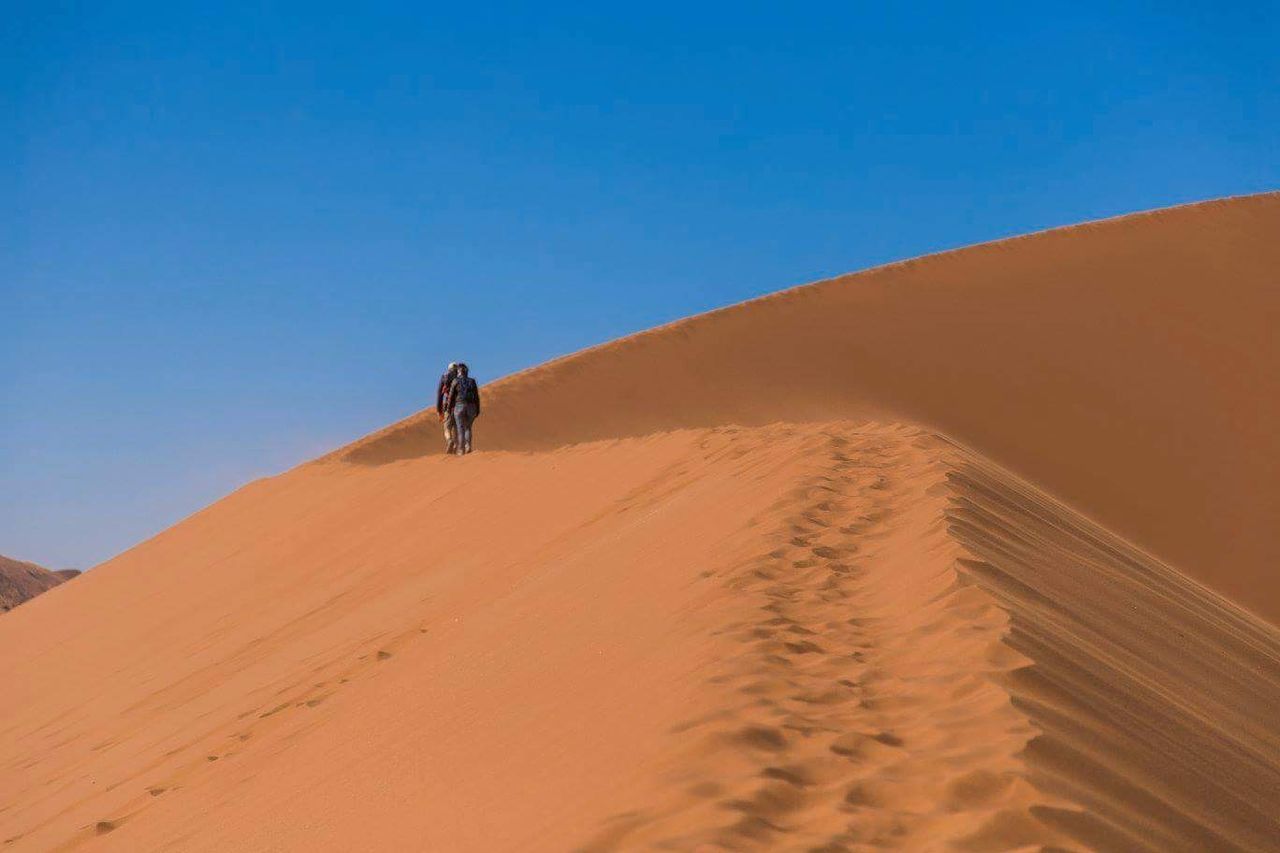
(852, 635)
(823, 632)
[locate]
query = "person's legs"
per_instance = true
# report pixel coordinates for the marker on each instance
(462, 435)
(450, 434)
(460, 429)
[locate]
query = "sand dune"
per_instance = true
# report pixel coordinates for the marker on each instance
(811, 609)
(20, 580)
(1129, 366)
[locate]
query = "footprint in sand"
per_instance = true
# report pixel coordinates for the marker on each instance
(762, 737)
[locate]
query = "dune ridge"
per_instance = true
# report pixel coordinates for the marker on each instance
(840, 636)
(857, 708)
(1012, 676)
(842, 614)
(1128, 366)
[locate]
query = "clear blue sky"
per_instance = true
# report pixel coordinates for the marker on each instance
(232, 239)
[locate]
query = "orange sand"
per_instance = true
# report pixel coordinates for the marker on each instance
(826, 627)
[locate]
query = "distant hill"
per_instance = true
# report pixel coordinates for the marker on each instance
(20, 580)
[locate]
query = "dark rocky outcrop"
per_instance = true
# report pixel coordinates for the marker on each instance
(20, 580)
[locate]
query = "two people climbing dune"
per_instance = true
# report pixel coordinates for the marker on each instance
(458, 405)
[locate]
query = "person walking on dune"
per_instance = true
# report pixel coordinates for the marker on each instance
(442, 391)
(463, 404)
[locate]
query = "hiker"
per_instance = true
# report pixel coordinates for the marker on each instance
(446, 418)
(463, 404)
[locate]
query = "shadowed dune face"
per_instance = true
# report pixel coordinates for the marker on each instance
(1154, 697)
(1130, 367)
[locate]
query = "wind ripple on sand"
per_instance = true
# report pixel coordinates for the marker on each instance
(1156, 699)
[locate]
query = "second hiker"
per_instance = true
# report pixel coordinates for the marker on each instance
(446, 417)
(463, 404)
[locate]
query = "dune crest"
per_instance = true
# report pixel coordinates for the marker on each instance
(837, 636)
(1128, 366)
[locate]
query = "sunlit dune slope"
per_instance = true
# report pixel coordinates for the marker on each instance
(784, 637)
(1130, 366)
